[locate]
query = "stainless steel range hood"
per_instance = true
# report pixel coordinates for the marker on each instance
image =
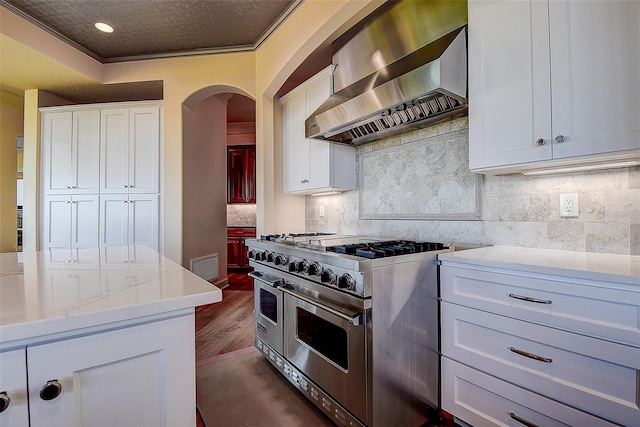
(403, 69)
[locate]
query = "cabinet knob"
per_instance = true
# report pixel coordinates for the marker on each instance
(560, 138)
(5, 401)
(540, 141)
(304, 181)
(51, 390)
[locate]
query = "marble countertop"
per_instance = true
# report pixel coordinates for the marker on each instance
(585, 265)
(61, 290)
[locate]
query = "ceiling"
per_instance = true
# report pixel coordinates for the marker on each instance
(144, 29)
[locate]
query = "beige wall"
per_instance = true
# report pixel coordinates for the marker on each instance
(205, 181)
(11, 126)
(310, 26)
(255, 74)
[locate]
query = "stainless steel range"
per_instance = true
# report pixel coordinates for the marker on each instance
(352, 322)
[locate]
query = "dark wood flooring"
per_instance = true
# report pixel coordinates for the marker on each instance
(228, 325)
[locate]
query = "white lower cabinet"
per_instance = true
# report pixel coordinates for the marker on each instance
(520, 348)
(129, 219)
(70, 221)
(13, 389)
(483, 400)
(138, 375)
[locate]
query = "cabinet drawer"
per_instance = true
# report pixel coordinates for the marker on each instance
(482, 400)
(599, 309)
(241, 232)
(590, 374)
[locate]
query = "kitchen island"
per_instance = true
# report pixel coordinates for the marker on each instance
(542, 337)
(98, 336)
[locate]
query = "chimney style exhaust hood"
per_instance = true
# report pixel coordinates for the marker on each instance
(403, 69)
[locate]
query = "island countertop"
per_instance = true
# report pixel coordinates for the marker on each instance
(62, 290)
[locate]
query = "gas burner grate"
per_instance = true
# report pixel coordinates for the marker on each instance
(386, 248)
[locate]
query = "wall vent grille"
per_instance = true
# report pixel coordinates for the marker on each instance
(205, 266)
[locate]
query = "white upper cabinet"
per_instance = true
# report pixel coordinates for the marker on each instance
(312, 165)
(130, 150)
(552, 83)
(70, 144)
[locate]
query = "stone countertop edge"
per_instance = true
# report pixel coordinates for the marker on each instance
(144, 295)
(584, 265)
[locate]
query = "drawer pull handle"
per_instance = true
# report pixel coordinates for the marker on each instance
(522, 420)
(529, 299)
(51, 390)
(5, 401)
(531, 355)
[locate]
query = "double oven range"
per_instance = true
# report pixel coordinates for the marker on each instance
(352, 322)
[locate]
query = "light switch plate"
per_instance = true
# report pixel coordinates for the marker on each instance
(569, 207)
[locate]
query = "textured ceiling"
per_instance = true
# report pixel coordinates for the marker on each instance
(144, 29)
(156, 28)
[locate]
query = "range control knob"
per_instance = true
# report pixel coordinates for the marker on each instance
(270, 256)
(328, 276)
(302, 266)
(293, 266)
(258, 256)
(280, 260)
(251, 254)
(313, 269)
(347, 282)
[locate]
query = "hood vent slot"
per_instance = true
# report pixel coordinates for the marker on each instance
(407, 114)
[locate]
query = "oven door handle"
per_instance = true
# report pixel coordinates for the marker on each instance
(272, 281)
(355, 320)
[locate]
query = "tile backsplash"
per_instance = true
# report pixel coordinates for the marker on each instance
(241, 215)
(517, 210)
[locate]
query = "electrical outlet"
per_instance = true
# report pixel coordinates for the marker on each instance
(321, 210)
(569, 205)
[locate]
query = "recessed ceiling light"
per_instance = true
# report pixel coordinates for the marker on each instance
(106, 28)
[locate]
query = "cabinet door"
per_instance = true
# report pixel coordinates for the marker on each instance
(143, 220)
(57, 226)
(129, 220)
(509, 83)
(70, 221)
(241, 175)
(135, 376)
(86, 151)
(84, 221)
(114, 219)
(71, 149)
(114, 160)
(595, 75)
(250, 174)
(295, 145)
(144, 150)
(13, 382)
(319, 163)
(233, 252)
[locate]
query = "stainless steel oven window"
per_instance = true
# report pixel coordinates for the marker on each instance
(324, 337)
(269, 305)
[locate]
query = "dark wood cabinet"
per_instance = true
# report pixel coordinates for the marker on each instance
(236, 249)
(241, 174)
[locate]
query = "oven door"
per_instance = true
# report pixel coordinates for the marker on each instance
(328, 344)
(269, 306)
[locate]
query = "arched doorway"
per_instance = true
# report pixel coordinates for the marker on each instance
(205, 117)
